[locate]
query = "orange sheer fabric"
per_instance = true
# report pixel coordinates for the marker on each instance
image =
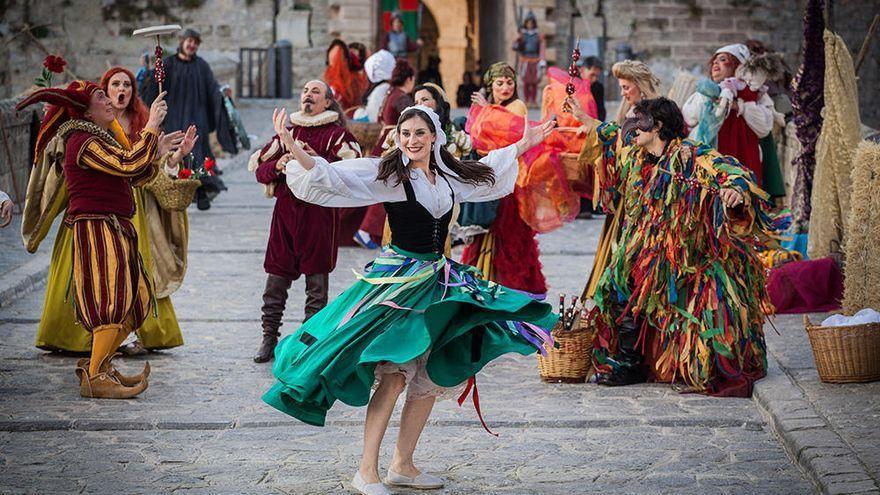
(550, 181)
(554, 96)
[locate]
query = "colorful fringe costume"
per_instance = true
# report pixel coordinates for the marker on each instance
(685, 267)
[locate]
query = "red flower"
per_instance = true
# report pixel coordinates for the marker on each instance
(210, 163)
(55, 64)
(184, 173)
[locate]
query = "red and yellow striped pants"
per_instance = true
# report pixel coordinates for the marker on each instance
(110, 286)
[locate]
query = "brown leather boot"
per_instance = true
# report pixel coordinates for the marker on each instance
(274, 300)
(106, 386)
(317, 287)
(82, 367)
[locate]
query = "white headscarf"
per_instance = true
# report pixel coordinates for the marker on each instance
(379, 66)
(438, 144)
(738, 50)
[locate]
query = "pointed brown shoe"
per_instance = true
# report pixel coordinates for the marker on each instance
(82, 367)
(105, 386)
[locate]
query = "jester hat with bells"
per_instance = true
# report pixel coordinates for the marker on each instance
(64, 104)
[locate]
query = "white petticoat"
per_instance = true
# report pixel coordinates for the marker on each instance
(418, 384)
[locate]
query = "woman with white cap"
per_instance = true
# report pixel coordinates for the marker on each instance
(749, 116)
(378, 67)
(415, 319)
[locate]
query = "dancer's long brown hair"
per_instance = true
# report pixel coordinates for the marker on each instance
(138, 114)
(468, 172)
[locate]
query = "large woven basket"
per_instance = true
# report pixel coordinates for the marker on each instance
(173, 194)
(367, 133)
(846, 354)
(571, 362)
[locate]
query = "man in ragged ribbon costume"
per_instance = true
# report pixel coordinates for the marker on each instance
(684, 289)
(110, 291)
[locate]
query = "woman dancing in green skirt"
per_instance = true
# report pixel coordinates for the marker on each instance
(415, 319)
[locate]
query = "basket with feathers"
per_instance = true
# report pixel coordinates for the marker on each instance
(173, 194)
(570, 361)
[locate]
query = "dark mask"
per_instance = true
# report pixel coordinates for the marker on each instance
(641, 121)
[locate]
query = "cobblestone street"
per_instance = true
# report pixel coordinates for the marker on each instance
(201, 427)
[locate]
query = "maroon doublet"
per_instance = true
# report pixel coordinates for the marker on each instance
(303, 238)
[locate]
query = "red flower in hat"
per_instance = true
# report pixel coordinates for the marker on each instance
(55, 64)
(184, 173)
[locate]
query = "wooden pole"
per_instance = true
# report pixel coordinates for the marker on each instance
(863, 51)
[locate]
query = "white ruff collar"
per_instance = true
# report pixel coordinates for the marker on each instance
(323, 118)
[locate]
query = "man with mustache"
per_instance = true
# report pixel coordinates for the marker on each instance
(303, 237)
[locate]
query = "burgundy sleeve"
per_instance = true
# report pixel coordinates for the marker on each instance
(269, 155)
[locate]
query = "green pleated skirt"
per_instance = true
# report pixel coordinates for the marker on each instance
(404, 305)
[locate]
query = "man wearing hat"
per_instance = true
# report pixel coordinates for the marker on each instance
(194, 98)
(110, 291)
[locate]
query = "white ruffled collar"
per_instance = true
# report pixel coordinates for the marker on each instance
(302, 120)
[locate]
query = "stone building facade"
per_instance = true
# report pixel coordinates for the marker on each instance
(668, 34)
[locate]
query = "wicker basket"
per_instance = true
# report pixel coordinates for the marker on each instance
(367, 133)
(571, 362)
(846, 354)
(173, 194)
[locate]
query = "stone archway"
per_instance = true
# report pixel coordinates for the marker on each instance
(456, 35)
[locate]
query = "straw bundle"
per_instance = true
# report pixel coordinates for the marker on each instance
(834, 152)
(862, 271)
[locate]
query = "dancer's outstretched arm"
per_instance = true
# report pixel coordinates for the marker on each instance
(279, 119)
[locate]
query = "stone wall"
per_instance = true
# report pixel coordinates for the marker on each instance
(668, 34)
(93, 36)
(851, 19)
(105, 40)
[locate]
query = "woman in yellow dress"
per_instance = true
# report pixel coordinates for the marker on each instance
(162, 236)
